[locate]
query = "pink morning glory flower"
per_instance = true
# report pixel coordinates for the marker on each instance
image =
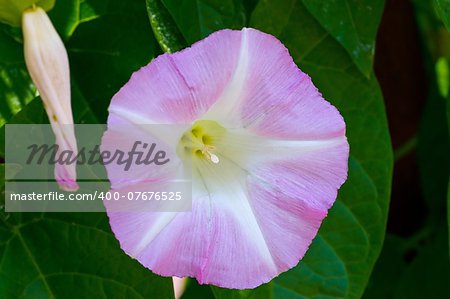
(268, 155)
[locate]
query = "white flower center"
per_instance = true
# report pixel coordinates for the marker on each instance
(200, 141)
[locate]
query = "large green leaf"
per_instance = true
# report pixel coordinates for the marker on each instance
(198, 18)
(353, 23)
(388, 269)
(341, 258)
(70, 256)
(105, 51)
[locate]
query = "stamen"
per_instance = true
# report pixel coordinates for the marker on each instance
(206, 151)
(214, 158)
(199, 141)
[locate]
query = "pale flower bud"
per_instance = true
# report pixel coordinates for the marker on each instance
(48, 65)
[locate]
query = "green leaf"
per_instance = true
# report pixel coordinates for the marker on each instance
(443, 8)
(341, 258)
(68, 15)
(388, 269)
(34, 113)
(105, 51)
(199, 18)
(16, 88)
(353, 23)
(70, 255)
(194, 291)
(166, 32)
(264, 291)
(81, 109)
(11, 10)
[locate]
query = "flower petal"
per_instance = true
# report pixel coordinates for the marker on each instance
(241, 78)
(313, 176)
(169, 243)
(271, 96)
(191, 80)
(219, 242)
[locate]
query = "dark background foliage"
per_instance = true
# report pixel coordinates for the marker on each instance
(411, 42)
